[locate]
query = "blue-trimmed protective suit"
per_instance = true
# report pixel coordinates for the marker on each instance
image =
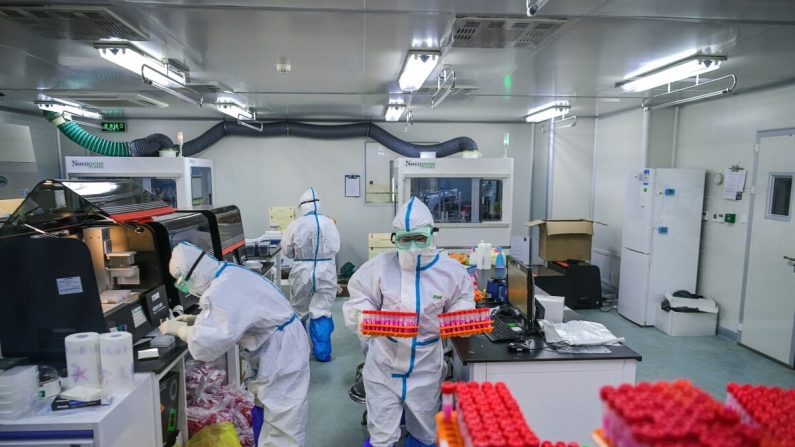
(404, 375)
(241, 307)
(313, 241)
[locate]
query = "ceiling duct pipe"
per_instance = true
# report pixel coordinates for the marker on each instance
(150, 145)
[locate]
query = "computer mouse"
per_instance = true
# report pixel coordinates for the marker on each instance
(518, 347)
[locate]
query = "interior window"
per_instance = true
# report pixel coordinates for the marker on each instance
(780, 197)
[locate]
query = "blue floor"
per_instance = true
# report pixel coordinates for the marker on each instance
(710, 362)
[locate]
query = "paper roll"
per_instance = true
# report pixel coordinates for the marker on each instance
(82, 358)
(116, 358)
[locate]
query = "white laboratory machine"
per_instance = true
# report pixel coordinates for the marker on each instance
(179, 181)
(471, 198)
(661, 239)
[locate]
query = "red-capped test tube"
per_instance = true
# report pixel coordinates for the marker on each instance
(448, 389)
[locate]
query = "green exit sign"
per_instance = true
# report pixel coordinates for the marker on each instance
(114, 126)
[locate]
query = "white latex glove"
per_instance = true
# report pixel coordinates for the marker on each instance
(176, 328)
(189, 319)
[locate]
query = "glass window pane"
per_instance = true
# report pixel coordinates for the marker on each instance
(490, 200)
(781, 195)
(449, 199)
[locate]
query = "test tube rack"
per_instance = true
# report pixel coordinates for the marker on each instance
(464, 323)
(387, 323)
(771, 409)
(484, 415)
(671, 413)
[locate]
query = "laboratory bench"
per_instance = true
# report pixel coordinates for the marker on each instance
(130, 420)
(557, 392)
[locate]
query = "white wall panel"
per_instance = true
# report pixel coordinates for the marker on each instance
(714, 135)
(618, 151)
(573, 173)
(45, 147)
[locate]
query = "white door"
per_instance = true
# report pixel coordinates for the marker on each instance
(768, 321)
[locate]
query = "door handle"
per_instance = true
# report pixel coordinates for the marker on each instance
(789, 259)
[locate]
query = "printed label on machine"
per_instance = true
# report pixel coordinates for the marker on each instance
(70, 285)
(139, 317)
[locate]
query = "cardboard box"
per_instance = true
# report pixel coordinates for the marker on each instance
(380, 240)
(687, 324)
(560, 240)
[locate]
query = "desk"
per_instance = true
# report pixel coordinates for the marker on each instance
(558, 393)
(123, 423)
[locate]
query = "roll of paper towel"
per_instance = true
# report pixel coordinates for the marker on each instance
(116, 358)
(82, 358)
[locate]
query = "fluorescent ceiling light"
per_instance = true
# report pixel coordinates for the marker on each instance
(416, 69)
(672, 72)
(394, 112)
(548, 111)
(236, 111)
(149, 68)
(62, 106)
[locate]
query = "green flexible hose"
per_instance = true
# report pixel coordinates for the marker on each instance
(85, 139)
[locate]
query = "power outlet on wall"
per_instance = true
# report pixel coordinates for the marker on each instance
(714, 216)
(705, 216)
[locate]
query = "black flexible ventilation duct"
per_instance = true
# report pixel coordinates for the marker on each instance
(148, 146)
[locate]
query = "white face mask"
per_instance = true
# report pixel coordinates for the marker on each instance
(408, 258)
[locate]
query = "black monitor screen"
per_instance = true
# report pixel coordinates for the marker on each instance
(48, 292)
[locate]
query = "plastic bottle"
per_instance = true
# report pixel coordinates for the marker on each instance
(500, 270)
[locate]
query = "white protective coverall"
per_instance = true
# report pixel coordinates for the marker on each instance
(313, 241)
(404, 375)
(241, 307)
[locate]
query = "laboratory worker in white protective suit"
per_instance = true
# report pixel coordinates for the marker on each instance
(241, 307)
(312, 240)
(403, 376)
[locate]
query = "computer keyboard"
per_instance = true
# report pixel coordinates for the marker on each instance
(502, 332)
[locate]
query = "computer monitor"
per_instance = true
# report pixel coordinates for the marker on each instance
(521, 293)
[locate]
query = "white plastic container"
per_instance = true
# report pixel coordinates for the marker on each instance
(18, 391)
(687, 324)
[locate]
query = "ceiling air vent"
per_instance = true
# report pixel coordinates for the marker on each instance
(72, 22)
(485, 32)
(111, 100)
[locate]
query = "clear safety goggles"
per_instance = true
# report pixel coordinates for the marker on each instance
(421, 238)
(182, 283)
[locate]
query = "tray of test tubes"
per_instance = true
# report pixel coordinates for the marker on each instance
(388, 323)
(463, 323)
(664, 414)
(484, 415)
(771, 409)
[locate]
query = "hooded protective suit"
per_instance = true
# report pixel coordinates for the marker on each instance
(241, 307)
(404, 375)
(313, 241)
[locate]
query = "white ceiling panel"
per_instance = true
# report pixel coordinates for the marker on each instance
(346, 55)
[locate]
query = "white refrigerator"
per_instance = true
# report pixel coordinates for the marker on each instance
(661, 238)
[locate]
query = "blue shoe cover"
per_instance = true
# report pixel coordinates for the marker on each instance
(411, 441)
(320, 330)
